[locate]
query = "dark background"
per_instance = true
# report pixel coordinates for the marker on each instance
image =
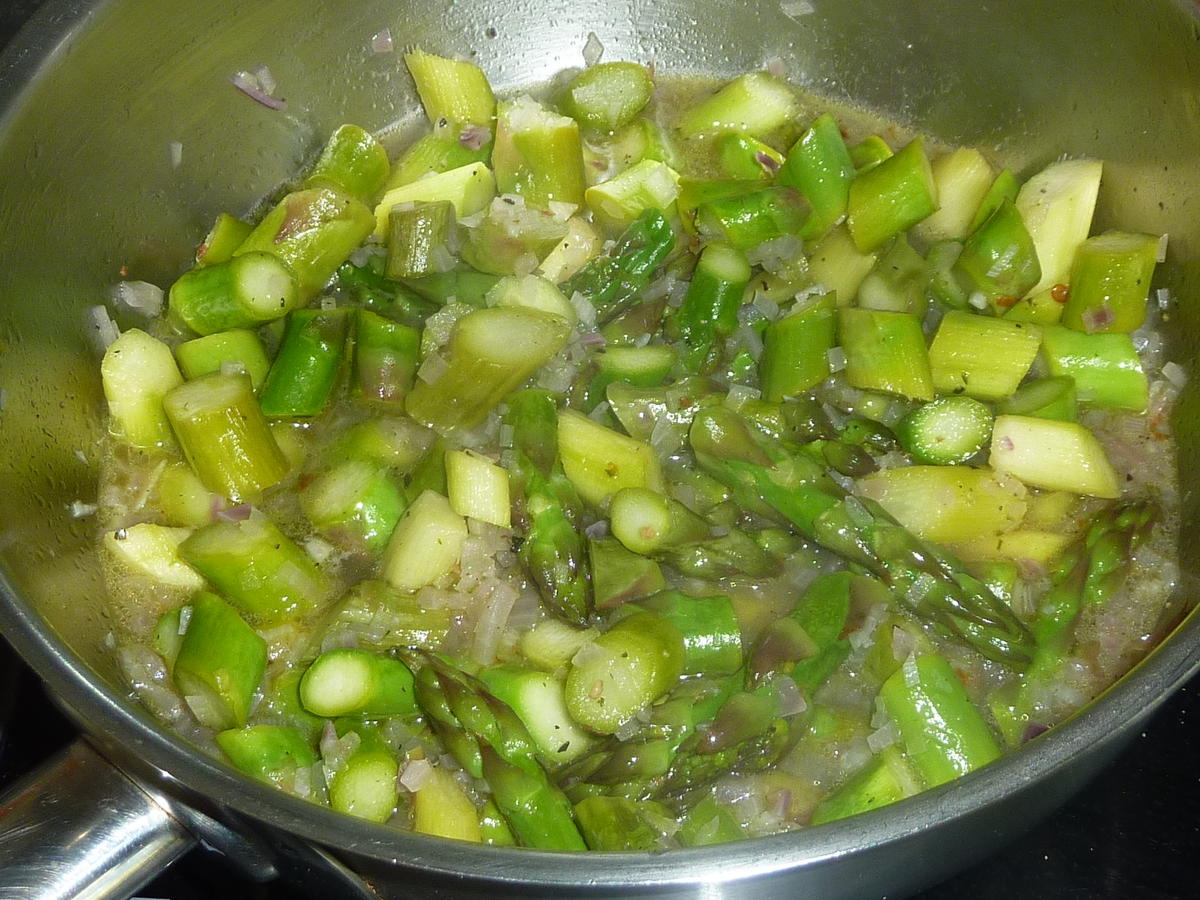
(1134, 833)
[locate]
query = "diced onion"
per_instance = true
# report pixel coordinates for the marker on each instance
(381, 41)
(788, 695)
(474, 137)
(253, 86)
(416, 774)
(837, 359)
(592, 49)
(433, 368)
(103, 326)
(81, 510)
(175, 149)
(977, 300)
(882, 738)
(1175, 374)
(1161, 255)
(597, 530)
(140, 296)
(795, 8)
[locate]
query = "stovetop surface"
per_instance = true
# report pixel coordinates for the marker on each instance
(1132, 834)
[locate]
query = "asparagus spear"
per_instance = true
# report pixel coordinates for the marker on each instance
(1090, 573)
(709, 310)
(547, 506)
(646, 522)
(924, 579)
(612, 283)
(490, 353)
(489, 740)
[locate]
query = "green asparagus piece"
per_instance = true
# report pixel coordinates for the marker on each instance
(220, 663)
(619, 575)
(419, 239)
(355, 503)
(747, 220)
(224, 435)
(891, 197)
(897, 282)
(281, 705)
(223, 350)
(464, 286)
(365, 785)
(257, 568)
(433, 154)
(1054, 397)
(490, 353)
(618, 823)
(607, 96)
(538, 154)
(612, 283)
(1110, 280)
(1090, 573)
(313, 231)
(710, 306)
(385, 359)
(885, 351)
(999, 259)
(455, 93)
(869, 152)
(138, 373)
(1004, 187)
(755, 103)
(442, 807)
(820, 167)
(489, 741)
(712, 637)
(306, 368)
(242, 292)
(796, 348)
(647, 522)
(382, 618)
(943, 734)
(547, 507)
(353, 161)
(225, 236)
(398, 443)
(885, 779)
(537, 698)
(366, 287)
(353, 682)
(1106, 367)
(922, 578)
(708, 822)
(625, 669)
(269, 753)
(746, 158)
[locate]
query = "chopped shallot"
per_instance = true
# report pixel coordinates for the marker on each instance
(381, 41)
(258, 86)
(592, 50)
(415, 774)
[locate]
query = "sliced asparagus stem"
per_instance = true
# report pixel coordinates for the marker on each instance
(351, 682)
(491, 352)
(353, 161)
(258, 568)
(224, 436)
(548, 507)
(219, 664)
(306, 368)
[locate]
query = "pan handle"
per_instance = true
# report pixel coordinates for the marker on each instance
(80, 828)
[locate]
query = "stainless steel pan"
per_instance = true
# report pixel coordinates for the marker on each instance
(97, 93)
